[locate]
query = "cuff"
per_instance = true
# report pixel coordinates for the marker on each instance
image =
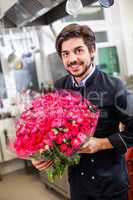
(118, 143)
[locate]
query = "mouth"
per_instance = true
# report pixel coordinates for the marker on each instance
(75, 67)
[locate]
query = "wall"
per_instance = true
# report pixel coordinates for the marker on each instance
(126, 14)
(120, 29)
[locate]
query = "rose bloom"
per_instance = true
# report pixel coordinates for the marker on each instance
(63, 147)
(76, 143)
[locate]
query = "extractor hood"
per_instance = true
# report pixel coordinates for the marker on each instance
(5, 5)
(37, 12)
(26, 11)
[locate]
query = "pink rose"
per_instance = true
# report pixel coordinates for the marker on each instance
(52, 135)
(63, 147)
(69, 152)
(60, 138)
(75, 142)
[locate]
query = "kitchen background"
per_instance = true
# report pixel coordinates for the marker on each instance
(29, 65)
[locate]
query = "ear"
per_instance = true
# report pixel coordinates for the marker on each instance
(92, 53)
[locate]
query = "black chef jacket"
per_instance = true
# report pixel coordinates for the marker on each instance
(104, 173)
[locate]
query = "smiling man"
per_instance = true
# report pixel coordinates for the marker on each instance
(101, 173)
(77, 58)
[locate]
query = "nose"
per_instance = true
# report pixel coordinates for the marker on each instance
(72, 57)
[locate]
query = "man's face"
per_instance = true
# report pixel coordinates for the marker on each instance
(76, 57)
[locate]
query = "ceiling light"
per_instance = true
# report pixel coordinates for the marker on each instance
(106, 3)
(73, 7)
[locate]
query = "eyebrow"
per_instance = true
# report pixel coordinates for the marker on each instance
(78, 47)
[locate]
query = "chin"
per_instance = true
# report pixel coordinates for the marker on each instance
(78, 73)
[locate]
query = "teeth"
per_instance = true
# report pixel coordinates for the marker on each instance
(75, 66)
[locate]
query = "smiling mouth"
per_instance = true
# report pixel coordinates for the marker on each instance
(75, 67)
(75, 70)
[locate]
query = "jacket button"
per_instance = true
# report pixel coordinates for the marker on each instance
(93, 177)
(82, 173)
(92, 160)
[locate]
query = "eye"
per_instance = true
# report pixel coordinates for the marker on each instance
(64, 54)
(79, 51)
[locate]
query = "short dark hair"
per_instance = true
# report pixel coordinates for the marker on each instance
(79, 31)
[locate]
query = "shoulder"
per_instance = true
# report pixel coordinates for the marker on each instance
(111, 82)
(60, 83)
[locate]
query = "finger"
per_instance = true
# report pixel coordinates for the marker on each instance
(36, 162)
(86, 144)
(40, 163)
(44, 168)
(84, 150)
(45, 165)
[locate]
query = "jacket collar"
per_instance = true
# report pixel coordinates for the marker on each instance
(87, 82)
(83, 82)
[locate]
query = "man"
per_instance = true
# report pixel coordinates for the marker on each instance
(101, 174)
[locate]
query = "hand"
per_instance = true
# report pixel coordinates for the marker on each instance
(41, 164)
(95, 144)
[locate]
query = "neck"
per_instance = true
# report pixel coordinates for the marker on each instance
(79, 79)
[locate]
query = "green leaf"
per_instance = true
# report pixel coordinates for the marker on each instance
(92, 109)
(55, 130)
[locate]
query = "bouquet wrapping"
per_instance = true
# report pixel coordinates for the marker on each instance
(53, 127)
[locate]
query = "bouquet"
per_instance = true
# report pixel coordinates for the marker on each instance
(54, 127)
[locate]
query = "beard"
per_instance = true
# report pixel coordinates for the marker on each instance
(81, 72)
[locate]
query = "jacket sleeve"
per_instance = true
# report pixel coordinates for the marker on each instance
(123, 103)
